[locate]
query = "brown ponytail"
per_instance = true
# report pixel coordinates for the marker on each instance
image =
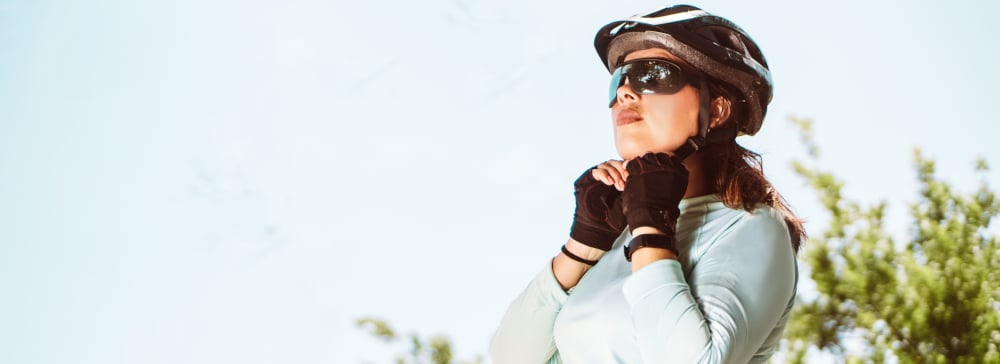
(737, 174)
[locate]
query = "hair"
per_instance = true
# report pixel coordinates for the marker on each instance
(737, 173)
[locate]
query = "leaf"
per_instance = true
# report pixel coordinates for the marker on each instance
(931, 299)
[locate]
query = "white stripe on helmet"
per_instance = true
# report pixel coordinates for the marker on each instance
(659, 20)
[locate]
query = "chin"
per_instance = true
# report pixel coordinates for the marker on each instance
(633, 145)
(627, 155)
(627, 152)
(634, 150)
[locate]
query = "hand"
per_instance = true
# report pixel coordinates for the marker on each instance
(655, 186)
(598, 218)
(611, 172)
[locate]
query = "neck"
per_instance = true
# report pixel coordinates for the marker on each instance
(698, 183)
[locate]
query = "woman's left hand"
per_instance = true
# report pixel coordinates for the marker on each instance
(655, 186)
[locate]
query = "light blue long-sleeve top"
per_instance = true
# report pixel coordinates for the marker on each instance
(725, 300)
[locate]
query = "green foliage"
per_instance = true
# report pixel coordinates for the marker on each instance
(434, 350)
(933, 298)
(378, 328)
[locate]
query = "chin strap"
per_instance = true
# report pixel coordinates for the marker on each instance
(693, 144)
(705, 135)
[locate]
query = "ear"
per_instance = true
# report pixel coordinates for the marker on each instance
(719, 112)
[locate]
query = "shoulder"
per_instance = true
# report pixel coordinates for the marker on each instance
(710, 215)
(750, 246)
(763, 222)
(762, 228)
(764, 218)
(707, 224)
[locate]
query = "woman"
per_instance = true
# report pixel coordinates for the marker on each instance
(681, 252)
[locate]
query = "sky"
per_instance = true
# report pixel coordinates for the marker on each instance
(238, 181)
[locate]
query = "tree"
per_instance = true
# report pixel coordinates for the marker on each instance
(931, 298)
(434, 350)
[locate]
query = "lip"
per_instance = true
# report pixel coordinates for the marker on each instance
(628, 117)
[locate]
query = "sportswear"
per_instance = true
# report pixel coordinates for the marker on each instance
(655, 186)
(598, 218)
(725, 300)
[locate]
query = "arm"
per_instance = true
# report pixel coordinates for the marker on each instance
(525, 333)
(743, 284)
(568, 272)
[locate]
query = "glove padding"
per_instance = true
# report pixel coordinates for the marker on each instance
(655, 186)
(598, 219)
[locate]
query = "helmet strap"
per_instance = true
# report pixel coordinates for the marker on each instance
(693, 144)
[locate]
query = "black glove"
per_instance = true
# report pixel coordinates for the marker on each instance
(598, 219)
(655, 186)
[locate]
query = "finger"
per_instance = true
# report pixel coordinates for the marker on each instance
(611, 171)
(602, 175)
(614, 167)
(620, 167)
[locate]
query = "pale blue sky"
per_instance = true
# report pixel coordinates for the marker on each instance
(236, 181)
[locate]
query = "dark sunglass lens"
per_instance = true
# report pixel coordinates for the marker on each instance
(647, 76)
(654, 76)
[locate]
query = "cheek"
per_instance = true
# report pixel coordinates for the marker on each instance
(673, 122)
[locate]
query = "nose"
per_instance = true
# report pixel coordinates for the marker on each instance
(625, 93)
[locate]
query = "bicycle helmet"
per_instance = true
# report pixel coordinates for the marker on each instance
(713, 45)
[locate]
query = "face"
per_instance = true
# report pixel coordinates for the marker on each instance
(653, 122)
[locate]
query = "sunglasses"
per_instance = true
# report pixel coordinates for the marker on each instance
(650, 76)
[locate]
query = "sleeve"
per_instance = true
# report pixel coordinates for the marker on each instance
(738, 293)
(525, 333)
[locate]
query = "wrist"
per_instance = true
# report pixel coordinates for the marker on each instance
(584, 251)
(569, 271)
(648, 255)
(643, 219)
(655, 242)
(644, 230)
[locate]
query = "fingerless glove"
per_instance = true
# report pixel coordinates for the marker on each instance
(598, 218)
(654, 189)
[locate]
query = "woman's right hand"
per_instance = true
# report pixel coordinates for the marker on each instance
(598, 219)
